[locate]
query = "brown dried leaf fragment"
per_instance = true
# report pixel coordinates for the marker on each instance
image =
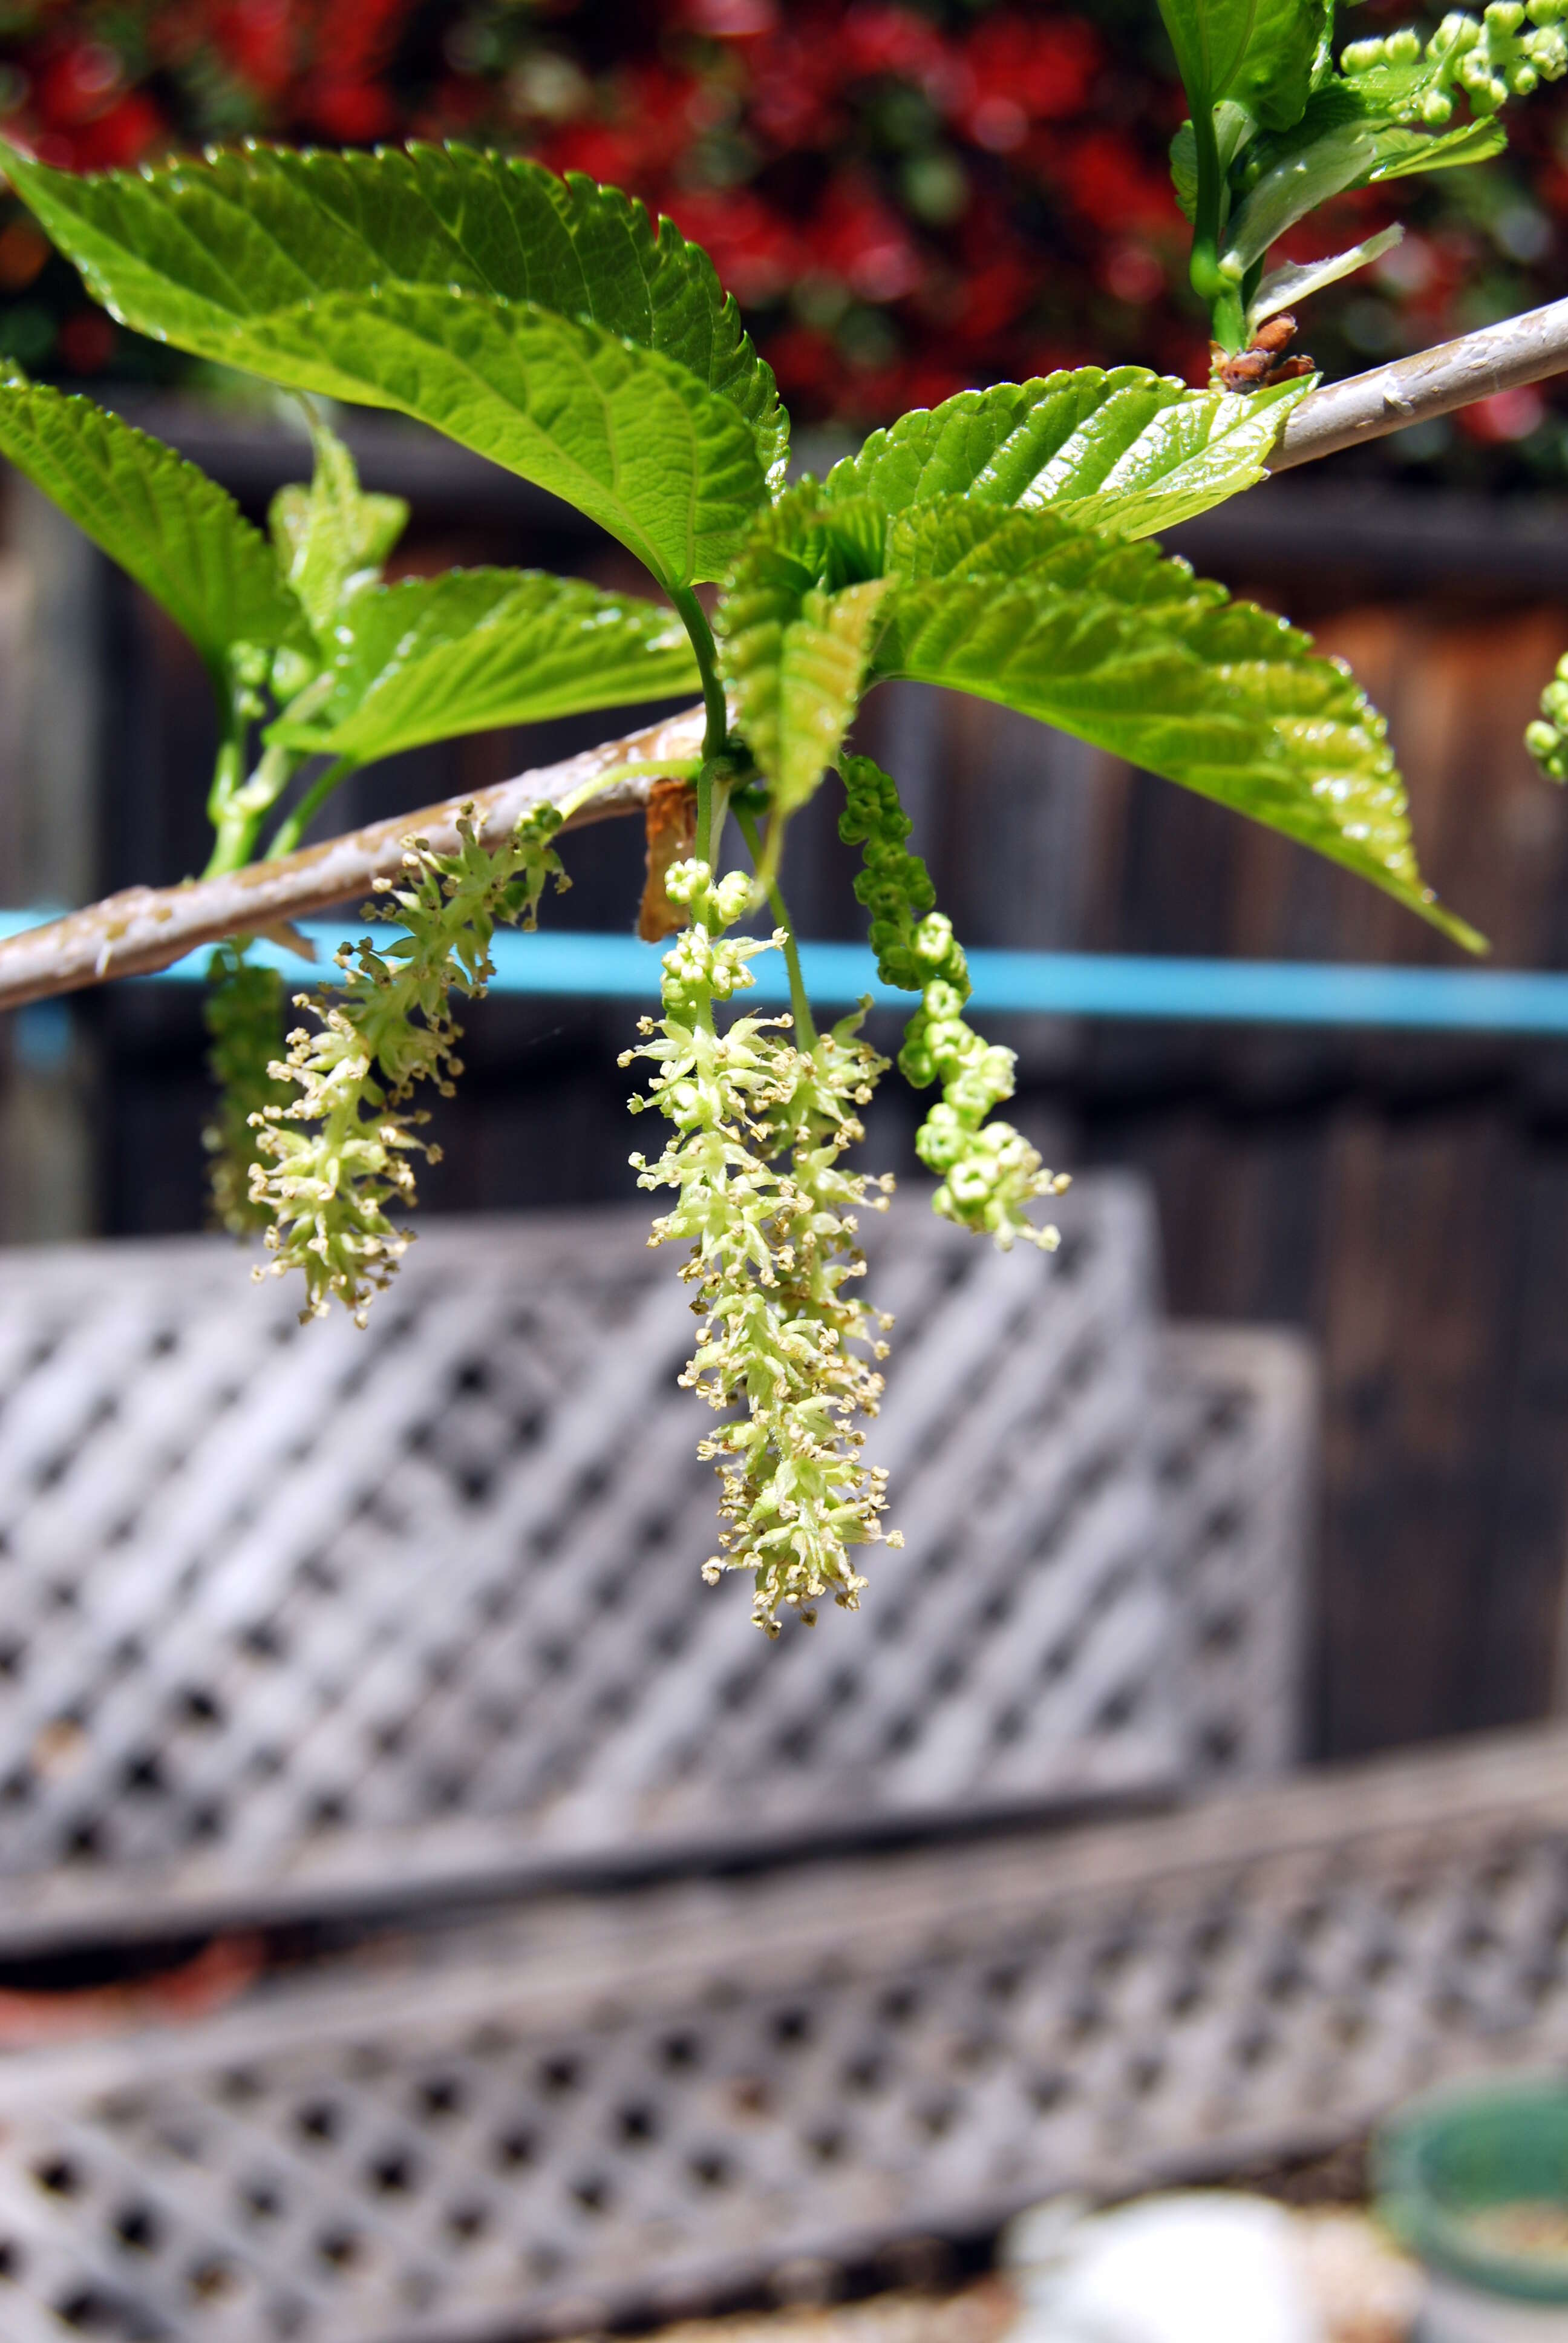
(671, 830)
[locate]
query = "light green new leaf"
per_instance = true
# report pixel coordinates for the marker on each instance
(1341, 157)
(627, 436)
(796, 632)
(1401, 153)
(1128, 450)
(331, 537)
(1131, 653)
(1259, 52)
(177, 532)
(1336, 147)
(193, 251)
(475, 648)
(1297, 280)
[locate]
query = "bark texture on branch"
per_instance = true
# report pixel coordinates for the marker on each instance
(1523, 349)
(146, 927)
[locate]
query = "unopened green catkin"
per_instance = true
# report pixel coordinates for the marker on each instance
(990, 1174)
(332, 1158)
(1547, 738)
(759, 1127)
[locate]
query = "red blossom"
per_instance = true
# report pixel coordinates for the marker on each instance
(351, 113)
(87, 342)
(807, 364)
(75, 83)
(894, 41)
(858, 238)
(258, 41)
(1045, 69)
(127, 133)
(1506, 415)
(757, 253)
(601, 149)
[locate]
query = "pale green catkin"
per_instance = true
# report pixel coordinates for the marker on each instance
(757, 1128)
(334, 1159)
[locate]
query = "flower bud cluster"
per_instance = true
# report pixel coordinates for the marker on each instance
(990, 1173)
(1504, 53)
(1547, 740)
(759, 1125)
(243, 1017)
(334, 1157)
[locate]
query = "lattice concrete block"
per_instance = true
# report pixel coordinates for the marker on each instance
(685, 2086)
(289, 1613)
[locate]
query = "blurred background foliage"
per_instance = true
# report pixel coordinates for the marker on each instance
(905, 199)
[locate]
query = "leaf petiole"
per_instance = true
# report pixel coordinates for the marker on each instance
(292, 827)
(694, 619)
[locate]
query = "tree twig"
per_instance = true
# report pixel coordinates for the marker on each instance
(146, 927)
(1523, 349)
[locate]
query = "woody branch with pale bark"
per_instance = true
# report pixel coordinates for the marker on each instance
(145, 929)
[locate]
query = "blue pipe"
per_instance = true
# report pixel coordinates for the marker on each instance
(1054, 984)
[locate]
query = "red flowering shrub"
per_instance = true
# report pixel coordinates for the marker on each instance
(905, 199)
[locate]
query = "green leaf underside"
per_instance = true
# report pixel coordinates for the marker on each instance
(797, 627)
(1131, 653)
(195, 250)
(623, 434)
(178, 533)
(1128, 450)
(476, 648)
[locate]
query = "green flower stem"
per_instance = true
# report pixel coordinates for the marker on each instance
(231, 827)
(292, 827)
(694, 619)
(804, 1023)
(1220, 296)
(704, 840)
(239, 810)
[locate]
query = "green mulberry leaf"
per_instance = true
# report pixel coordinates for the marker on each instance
(195, 251)
(1128, 651)
(796, 632)
(478, 649)
(624, 435)
(177, 532)
(1128, 450)
(1259, 52)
